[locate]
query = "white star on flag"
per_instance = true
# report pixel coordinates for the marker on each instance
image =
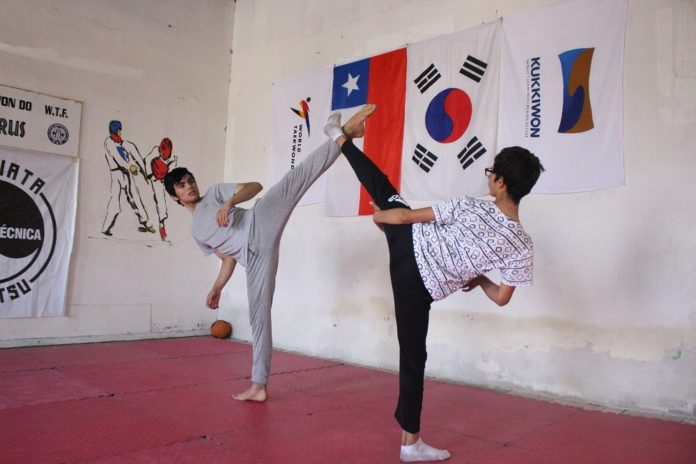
(352, 83)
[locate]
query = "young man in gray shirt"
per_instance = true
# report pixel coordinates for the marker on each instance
(251, 237)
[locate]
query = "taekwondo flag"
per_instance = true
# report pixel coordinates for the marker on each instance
(38, 201)
(301, 106)
(451, 114)
(561, 92)
(380, 80)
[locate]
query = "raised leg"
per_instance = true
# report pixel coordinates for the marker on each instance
(273, 210)
(377, 184)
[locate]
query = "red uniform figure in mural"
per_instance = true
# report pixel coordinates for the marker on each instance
(159, 161)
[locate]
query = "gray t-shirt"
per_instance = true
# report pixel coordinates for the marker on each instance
(232, 240)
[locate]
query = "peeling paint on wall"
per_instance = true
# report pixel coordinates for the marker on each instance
(51, 56)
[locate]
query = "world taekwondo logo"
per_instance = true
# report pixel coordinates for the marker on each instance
(449, 114)
(298, 130)
(27, 231)
(303, 112)
(577, 110)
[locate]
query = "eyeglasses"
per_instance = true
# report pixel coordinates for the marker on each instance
(489, 171)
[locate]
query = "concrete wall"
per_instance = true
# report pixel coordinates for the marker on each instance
(162, 69)
(611, 318)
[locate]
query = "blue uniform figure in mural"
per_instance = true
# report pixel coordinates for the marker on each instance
(125, 164)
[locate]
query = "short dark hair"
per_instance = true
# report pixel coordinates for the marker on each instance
(519, 168)
(174, 176)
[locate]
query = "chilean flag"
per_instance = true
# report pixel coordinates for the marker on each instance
(380, 80)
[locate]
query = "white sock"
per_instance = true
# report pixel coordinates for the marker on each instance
(420, 451)
(333, 126)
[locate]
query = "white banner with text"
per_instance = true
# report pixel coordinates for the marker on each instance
(38, 196)
(38, 122)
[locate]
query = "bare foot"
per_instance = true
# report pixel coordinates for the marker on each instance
(256, 393)
(354, 128)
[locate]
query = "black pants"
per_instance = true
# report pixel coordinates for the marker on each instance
(411, 298)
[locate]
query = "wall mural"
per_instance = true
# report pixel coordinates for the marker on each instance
(134, 178)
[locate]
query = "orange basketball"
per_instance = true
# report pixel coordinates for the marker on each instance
(221, 329)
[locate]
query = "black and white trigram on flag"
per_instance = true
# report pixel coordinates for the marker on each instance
(473, 68)
(423, 158)
(471, 152)
(427, 78)
(451, 114)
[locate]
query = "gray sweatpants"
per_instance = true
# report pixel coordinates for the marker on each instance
(271, 213)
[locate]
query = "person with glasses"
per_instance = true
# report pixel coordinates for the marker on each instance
(438, 250)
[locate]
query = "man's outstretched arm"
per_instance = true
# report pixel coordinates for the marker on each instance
(403, 215)
(243, 192)
(226, 270)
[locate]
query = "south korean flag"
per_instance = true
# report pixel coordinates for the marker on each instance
(451, 114)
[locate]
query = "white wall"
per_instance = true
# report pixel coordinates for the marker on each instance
(161, 67)
(611, 318)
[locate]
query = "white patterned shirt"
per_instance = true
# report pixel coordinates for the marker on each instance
(470, 237)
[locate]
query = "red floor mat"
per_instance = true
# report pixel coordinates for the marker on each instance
(169, 401)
